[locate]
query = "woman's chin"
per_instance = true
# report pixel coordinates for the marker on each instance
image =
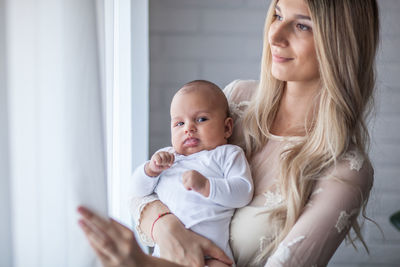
(280, 73)
(280, 76)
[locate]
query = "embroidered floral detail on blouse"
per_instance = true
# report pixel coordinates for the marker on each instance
(282, 254)
(296, 240)
(318, 191)
(272, 199)
(264, 241)
(238, 109)
(344, 220)
(355, 158)
(289, 144)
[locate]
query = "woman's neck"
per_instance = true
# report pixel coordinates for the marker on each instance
(296, 108)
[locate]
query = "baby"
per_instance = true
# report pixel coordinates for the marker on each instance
(201, 178)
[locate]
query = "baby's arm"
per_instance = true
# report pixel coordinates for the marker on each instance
(235, 189)
(145, 177)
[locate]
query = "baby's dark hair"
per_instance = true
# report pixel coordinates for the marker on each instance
(215, 89)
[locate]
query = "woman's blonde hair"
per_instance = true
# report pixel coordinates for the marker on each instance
(346, 35)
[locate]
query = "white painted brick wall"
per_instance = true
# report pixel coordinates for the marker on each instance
(221, 40)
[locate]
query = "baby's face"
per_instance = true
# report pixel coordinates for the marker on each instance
(198, 122)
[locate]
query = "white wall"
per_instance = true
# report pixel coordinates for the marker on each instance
(222, 40)
(214, 40)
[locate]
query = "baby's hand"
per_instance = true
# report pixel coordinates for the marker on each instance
(193, 180)
(159, 162)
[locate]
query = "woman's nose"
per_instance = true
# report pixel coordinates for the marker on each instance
(278, 34)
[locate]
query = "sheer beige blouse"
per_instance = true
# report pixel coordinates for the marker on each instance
(332, 207)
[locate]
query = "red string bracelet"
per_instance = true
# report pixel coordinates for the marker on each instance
(159, 216)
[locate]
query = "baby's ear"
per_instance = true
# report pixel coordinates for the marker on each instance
(228, 127)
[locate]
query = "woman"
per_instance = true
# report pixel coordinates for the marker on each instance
(303, 129)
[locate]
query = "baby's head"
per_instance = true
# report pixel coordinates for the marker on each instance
(199, 118)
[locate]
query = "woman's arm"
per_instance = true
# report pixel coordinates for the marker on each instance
(326, 219)
(149, 214)
(177, 243)
(114, 244)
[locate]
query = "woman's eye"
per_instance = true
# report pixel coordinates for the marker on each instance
(277, 17)
(303, 27)
(179, 124)
(201, 119)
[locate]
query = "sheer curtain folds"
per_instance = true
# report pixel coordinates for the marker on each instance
(70, 98)
(53, 152)
(5, 201)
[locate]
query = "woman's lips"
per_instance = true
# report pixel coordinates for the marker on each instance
(191, 142)
(280, 59)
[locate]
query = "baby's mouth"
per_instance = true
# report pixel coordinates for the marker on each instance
(191, 141)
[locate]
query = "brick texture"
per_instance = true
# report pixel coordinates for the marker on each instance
(221, 41)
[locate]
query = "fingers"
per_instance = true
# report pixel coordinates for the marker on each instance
(215, 252)
(99, 224)
(93, 218)
(186, 181)
(215, 263)
(100, 242)
(114, 243)
(193, 259)
(193, 180)
(163, 159)
(159, 162)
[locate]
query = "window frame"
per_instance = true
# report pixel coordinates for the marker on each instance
(126, 97)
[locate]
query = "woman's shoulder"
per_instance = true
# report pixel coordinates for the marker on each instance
(239, 93)
(240, 90)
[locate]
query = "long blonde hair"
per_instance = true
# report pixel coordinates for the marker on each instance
(346, 35)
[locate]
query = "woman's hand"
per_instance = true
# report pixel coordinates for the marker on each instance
(114, 244)
(183, 246)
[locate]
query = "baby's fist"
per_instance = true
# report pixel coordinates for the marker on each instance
(193, 180)
(159, 162)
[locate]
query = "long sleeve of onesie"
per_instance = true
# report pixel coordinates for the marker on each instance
(142, 184)
(235, 189)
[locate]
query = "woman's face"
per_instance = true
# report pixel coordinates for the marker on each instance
(292, 43)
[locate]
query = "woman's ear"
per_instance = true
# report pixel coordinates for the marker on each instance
(228, 127)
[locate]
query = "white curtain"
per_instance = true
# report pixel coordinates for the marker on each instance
(5, 201)
(52, 149)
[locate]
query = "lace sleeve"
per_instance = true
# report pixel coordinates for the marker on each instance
(136, 208)
(238, 94)
(333, 207)
(228, 90)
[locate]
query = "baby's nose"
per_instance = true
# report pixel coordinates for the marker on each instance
(190, 128)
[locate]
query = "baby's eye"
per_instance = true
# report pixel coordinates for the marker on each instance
(201, 119)
(277, 17)
(179, 123)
